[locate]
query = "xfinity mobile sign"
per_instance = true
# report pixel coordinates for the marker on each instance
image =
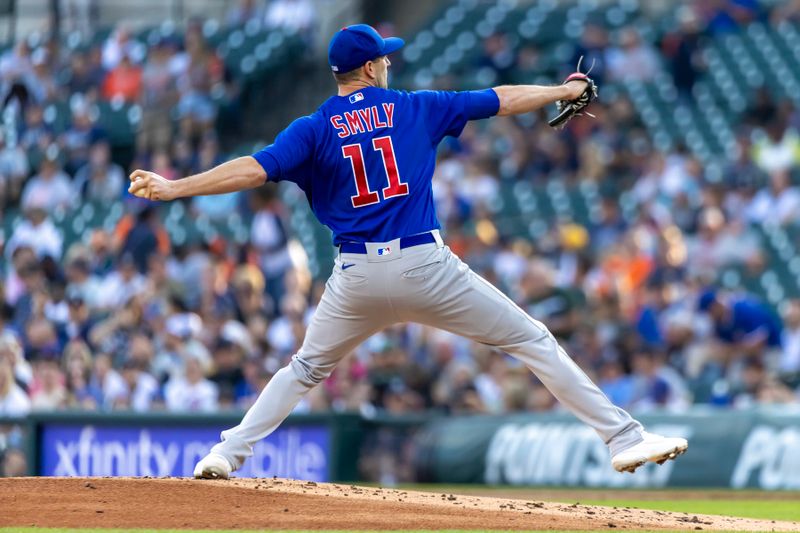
(299, 452)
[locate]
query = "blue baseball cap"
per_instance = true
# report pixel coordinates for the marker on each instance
(352, 46)
(707, 298)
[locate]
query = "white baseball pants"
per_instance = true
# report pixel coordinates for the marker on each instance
(427, 284)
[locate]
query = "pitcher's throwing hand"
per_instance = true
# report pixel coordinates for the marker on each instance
(150, 185)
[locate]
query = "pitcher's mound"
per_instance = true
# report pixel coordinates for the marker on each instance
(285, 504)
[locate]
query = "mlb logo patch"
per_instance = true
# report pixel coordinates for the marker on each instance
(385, 251)
(356, 98)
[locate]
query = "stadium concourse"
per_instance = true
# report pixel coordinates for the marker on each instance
(658, 241)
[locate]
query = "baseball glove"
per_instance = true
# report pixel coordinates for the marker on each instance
(570, 108)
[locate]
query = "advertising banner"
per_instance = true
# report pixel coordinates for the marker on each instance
(69, 449)
(748, 449)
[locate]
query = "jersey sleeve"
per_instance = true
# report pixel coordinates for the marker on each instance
(447, 112)
(292, 149)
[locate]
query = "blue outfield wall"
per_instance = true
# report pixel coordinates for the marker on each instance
(301, 452)
(128, 444)
(735, 449)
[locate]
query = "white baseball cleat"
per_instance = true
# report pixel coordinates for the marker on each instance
(212, 466)
(653, 448)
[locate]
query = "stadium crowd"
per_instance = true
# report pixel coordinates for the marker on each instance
(126, 319)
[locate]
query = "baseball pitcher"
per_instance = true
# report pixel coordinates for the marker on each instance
(365, 160)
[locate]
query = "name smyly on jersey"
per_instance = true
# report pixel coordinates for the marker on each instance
(364, 120)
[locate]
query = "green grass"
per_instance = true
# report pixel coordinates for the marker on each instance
(763, 509)
(726, 502)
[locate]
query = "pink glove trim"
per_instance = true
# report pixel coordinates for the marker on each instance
(576, 76)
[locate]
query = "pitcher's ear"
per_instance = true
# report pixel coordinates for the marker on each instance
(369, 69)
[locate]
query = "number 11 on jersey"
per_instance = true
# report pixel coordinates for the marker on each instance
(364, 195)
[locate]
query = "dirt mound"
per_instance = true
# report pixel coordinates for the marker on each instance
(284, 504)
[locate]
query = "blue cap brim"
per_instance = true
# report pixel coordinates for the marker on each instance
(392, 44)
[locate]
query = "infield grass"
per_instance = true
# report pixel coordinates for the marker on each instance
(779, 505)
(766, 510)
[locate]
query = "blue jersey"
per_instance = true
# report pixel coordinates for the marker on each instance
(750, 316)
(365, 160)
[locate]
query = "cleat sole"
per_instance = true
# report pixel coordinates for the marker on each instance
(212, 473)
(658, 459)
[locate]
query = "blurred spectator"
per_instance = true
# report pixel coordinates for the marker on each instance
(50, 188)
(162, 165)
(528, 65)
(80, 135)
(40, 80)
(592, 47)
(15, 66)
(142, 389)
(633, 59)
(762, 110)
(228, 375)
(655, 384)
(158, 97)
(551, 304)
(725, 16)
(244, 11)
(79, 322)
(292, 15)
(38, 233)
(286, 332)
(118, 46)
(11, 351)
(717, 245)
(81, 392)
(790, 339)
(180, 342)
(100, 180)
(682, 51)
(779, 204)
(192, 392)
(48, 391)
(760, 387)
(489, 384)
(616, 384)
(201, 70)
(107, 381)
(745, 325)
(40, 336)
(610, 227)
(14, 463)
(37, 136)
(84, 77)
(84, 285)
(124, 81)
(777, 147)
(269, 238)
(14, 169)
(123, 284)
(499, 57)
(788, 11)
(145, 238)
(222, 205)
(13, 400)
